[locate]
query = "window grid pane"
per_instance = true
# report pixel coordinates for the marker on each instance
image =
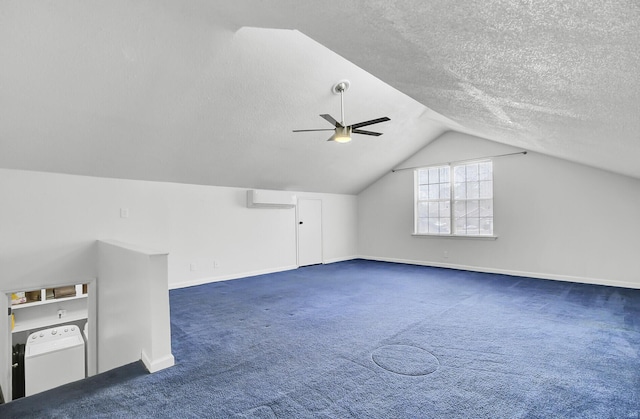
(473, 199)
(433, 203)
(464, 192)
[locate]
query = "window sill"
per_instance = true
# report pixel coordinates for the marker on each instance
(442, 236)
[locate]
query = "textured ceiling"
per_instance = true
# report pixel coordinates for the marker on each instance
(207, 92)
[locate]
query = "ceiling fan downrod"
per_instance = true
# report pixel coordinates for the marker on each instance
(341, 87)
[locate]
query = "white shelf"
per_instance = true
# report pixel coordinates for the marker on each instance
(41, 303)
(41, 323)
(46, 312)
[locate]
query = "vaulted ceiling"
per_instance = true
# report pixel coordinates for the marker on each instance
(208, 92)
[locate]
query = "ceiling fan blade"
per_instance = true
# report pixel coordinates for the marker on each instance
(373, 121)
(331, 119)
(309, 130)
(361, 131)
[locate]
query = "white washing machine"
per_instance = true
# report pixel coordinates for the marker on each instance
(53, 357)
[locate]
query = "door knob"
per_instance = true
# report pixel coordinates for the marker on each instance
(300, 222)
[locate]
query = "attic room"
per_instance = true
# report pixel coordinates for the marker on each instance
(134, 136)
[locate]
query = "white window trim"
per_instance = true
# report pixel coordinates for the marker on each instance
(450, 235)
(454, 236)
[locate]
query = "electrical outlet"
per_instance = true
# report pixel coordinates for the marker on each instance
(193, 267)
(216, 264)
(62, 313)
(445, 254)
(124, 212)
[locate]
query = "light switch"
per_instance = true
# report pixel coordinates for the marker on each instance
(124, 212)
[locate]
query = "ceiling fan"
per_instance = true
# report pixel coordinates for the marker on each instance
(342, 132)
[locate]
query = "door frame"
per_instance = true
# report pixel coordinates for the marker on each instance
(92, 352)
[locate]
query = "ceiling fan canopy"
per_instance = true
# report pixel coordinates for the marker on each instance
(342, 132)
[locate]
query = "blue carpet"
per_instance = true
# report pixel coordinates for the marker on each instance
(379, 340)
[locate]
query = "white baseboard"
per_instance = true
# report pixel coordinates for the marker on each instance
(157, 364)
(538, 275)
(210, 279)
(340, 259)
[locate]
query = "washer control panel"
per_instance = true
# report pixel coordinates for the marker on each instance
(56, 338)
(50, 334)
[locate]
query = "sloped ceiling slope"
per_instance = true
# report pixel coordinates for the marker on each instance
(208, 92)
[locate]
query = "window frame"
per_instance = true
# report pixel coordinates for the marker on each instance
(453, 233)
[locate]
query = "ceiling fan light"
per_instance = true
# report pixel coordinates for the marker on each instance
(343, 135)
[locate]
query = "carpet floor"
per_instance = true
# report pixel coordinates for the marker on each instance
(371, 339)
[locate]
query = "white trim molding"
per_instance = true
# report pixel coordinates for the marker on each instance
(207, 280)
(340, 259)
(537, 275)
(157, 364)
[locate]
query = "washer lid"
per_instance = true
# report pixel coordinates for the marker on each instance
(40, 348)
(54, 339)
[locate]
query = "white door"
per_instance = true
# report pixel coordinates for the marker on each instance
(309, 232)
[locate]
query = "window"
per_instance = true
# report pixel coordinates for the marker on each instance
(455, 200)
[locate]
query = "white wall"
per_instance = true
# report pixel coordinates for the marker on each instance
(339, 226)
(49, 225)
(134, 323)
(554, 219)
